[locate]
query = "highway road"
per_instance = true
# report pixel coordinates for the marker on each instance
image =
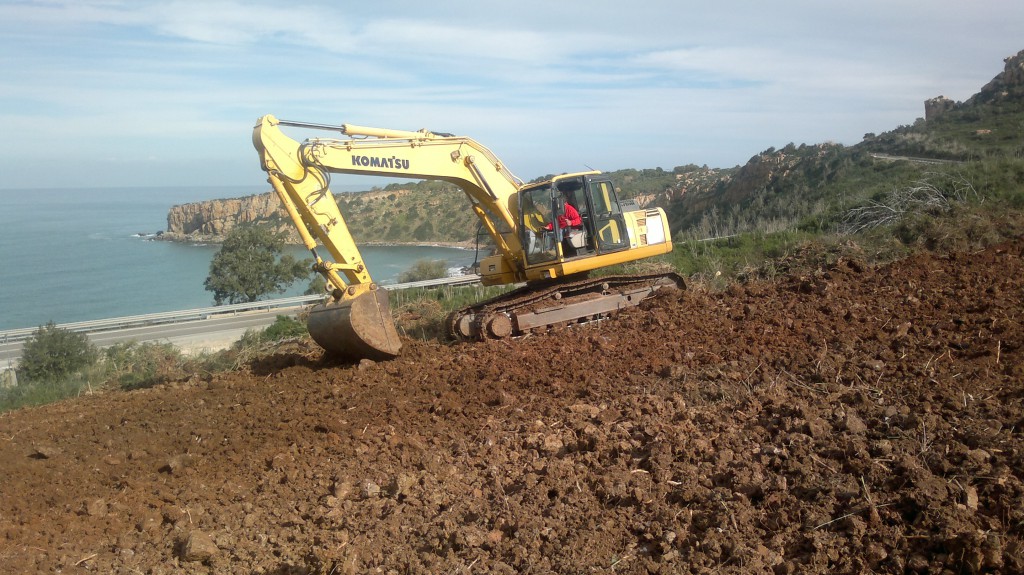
(889, 158)
(219, 327)
(211, 334)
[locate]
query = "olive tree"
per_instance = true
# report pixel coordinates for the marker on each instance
(249, 265)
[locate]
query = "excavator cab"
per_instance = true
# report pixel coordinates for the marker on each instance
(545, 239)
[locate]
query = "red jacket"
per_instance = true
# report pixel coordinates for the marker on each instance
(570, 218)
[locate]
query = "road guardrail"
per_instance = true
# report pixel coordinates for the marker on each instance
(20, 334)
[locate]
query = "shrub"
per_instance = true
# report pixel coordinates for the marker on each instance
(421, 312)
(922, 198)
(424, 270)
(135, 365)
(284, 327)
(249, 265)
(317, 286)
(53, 353)
(29, 393)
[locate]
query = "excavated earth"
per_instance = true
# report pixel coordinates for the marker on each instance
(858, 419)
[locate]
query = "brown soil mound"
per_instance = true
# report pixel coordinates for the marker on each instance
(855, 420)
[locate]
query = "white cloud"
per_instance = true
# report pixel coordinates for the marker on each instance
(661, 83)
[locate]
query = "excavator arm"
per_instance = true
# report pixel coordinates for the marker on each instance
(357, 321)
(303, 172)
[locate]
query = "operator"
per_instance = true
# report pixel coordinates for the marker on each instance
(570, 223)
(569, 218)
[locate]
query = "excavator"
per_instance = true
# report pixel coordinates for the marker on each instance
(547, 236)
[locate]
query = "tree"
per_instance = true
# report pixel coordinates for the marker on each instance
(53, 353)
(249, 265)
(317, 286)
(424, 270)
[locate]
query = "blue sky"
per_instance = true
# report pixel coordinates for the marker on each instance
(137, 93)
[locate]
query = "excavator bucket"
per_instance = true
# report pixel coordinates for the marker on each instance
(356, 328)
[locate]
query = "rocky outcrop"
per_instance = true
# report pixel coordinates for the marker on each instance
(212, 220)
(1007, 85)
(424, 213)
(937, 106)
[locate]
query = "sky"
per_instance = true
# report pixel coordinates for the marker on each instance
(103, 93)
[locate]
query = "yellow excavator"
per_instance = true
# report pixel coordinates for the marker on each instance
(547, 235)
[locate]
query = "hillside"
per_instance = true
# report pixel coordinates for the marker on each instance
(812, 187)
(855, 420)
(398, 214)
(211, 221)
(416, 212)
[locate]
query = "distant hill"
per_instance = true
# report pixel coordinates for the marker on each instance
(422, 212)
(989, 125)
(416, 212)
(809, 186)
(429, 211)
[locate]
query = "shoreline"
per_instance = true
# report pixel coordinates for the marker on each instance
(163, 236)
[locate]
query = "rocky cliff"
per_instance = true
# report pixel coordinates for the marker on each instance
(427, 212)
(210, 221)
(1007, 85)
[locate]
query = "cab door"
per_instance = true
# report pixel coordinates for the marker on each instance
(537, 235)
(606, 214)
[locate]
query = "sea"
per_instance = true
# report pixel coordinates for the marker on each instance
(69, 255)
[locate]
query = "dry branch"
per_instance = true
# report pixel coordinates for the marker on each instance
(921, 197)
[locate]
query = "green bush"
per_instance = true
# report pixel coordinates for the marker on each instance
(317, 286)
(424, 270)
(136, 365)
(30, 393)
(53, 353)
(284, 327)
(421, 312)
(450, 297)
(249, 265)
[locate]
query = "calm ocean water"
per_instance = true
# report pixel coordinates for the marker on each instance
(75, 255)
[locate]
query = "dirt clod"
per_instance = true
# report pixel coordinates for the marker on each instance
(44, 451)
(198, 547)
